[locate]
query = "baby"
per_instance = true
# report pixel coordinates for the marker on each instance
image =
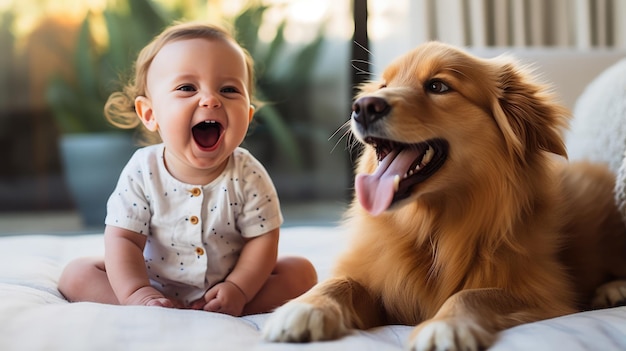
(194, 221)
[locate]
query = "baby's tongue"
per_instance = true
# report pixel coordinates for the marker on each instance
(206, 134)
(375, 191)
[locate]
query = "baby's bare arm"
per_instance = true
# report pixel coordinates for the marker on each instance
(255, 264)
(126, 268)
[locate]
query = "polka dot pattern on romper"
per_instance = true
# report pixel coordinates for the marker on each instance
(240, 203)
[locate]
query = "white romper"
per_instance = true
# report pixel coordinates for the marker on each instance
(195, 233)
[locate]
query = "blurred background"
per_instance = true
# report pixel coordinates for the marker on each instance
(60, 59)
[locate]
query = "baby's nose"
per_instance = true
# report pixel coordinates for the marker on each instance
(210, 100)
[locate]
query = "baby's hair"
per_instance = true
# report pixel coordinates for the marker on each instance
(119, 109)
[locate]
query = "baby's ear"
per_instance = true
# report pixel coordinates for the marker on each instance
(143, 107)
(251, 113)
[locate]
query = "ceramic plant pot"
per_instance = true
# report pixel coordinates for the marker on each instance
(92, 164)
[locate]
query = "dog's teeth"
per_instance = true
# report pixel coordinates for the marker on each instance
(396, 182)
(428, 156)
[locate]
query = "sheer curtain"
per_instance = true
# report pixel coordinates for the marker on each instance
(570, 42)
(583, 24)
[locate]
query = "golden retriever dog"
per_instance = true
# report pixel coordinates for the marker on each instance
(467, 218)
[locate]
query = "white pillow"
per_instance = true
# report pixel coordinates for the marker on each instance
(598, 129)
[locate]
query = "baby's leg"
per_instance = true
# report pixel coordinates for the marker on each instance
(85, 279)
(292, 277)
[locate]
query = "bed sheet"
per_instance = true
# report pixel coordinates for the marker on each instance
(34, 315)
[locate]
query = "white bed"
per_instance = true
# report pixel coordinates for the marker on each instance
(34, 316)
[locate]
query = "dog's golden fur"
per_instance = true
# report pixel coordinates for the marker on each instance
(505, 232)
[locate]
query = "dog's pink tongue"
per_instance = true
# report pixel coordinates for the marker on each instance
(375, 191)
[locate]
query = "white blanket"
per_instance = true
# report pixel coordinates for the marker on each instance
(34, 316)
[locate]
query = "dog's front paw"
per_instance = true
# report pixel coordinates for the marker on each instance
(304, 322)
(451, 334)
(611, 294)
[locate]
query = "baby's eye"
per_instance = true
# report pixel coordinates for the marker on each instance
(437, 87)
(186, 87)
(229, 90)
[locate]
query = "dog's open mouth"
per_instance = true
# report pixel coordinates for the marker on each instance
(207, 134)
(400, 167)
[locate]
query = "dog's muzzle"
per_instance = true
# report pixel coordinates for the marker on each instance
(401, 165)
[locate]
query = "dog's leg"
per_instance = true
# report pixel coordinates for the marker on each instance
(328, 311)
(471, 319)
(611, 294)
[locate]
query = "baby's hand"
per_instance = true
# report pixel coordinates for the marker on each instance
(224, 298)
(149, 296)
(161, 302)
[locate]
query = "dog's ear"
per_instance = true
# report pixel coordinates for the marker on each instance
(528, 115)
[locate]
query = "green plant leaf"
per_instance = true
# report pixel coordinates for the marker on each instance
(275, 48)
(247, 24)
(118, 51)
(84, 60)
(273, 120)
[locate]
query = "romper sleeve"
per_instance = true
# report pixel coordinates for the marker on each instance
(261, 210)
(128, 206)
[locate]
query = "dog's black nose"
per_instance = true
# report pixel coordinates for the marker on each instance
(368, 109)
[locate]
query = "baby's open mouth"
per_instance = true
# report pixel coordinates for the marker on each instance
(207, 134)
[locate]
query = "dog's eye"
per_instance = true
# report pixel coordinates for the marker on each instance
(382, 86)
(437, 87)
